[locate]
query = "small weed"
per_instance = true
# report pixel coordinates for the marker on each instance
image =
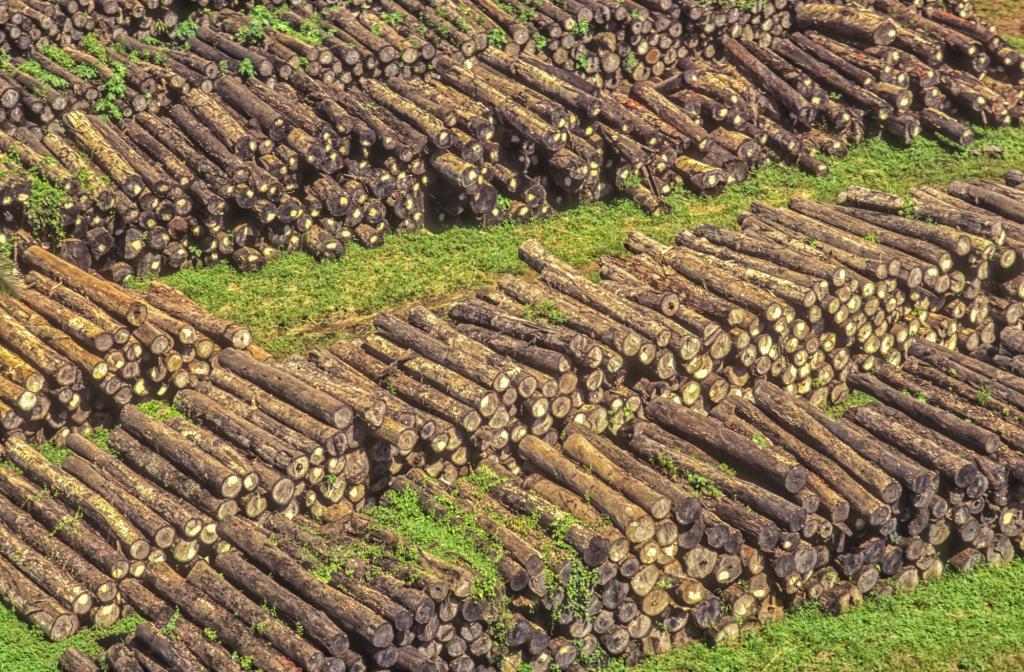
(247, 69)
(907, 210)
(984, 396)
(581, 29)
(160, 410)
(172, 623)
(545, 311)
(703, 485)
(497, 38)
(856, 399)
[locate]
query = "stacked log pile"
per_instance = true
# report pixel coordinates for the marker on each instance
(761, 501)
(67, 543)
(983, 297)
(252, 131)
(687, 526)
(892, 488)
(801, 296)
(24, 23)
(422, 393)
(76, 348)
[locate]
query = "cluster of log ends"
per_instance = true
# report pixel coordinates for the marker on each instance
(75, 347)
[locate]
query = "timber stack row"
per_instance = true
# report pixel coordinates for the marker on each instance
(76, 347)
(241, 133)
(801, 296)
(607, 41)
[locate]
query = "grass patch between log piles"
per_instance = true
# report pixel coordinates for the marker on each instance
(963, 622)
(450, 537)
(24, 649)
(295, 302)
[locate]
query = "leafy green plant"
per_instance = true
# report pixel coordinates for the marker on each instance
(539, 41)
(92, 46)
(392, 18)
(703, 485)
(907, 209)
(160, 410)
(186, 29)
(101, 438)
(66, 523)
(35, 69)
(112, 92)
(984, 396)
(545, 310)
(497, 38)
(578, 587)
(262, 18)
(856, 399)
(45, 207)
(54, 453)
(448, 536)
(172, 623)
(247, 69)
(582, 62)
(581, 29)
(667, 465)
(633, 181)
(483, 479)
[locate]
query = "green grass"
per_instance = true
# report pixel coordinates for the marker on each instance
(960, 622)
(24, 649)
(856, 399)
(296, 303)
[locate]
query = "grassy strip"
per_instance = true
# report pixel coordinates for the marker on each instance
(961, 622)
(24, 649)
(296, 303)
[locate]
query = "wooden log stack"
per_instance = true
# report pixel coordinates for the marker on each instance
(685, 526)
(76, 347)
(25, 23)
(984, 213)
(905, 469)
(249, 130)
(423, 393)
(66, 545)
